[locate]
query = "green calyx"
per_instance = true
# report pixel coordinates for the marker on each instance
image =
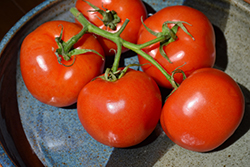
(169, 34)
(66, 50)
(109, 17)
(113, 76)
(165, 37)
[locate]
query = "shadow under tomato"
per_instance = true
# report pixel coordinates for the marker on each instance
(221, 61)
(145, 154)
(73, 106)
(244, 125)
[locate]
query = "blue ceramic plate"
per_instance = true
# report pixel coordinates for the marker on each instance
(34, 134)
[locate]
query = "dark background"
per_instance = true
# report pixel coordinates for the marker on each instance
(12, 10)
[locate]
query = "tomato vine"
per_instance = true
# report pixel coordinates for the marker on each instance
(164, 37)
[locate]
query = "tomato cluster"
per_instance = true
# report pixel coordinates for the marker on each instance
(62, 63)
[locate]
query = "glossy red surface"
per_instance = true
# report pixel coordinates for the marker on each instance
(204, 111)
(122, 113)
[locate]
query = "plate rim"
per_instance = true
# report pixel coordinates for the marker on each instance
(12, 32)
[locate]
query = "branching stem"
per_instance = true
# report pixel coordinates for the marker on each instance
(115, 37)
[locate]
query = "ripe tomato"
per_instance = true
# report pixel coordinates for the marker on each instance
(204, 111)
(125, 9)
(121, 113)
(47, 80)
(193, 54)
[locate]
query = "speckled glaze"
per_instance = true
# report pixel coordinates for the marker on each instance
(34, 134)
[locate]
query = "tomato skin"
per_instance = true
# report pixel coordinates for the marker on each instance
(125, 10)
(121, 113)
(186, 52)
(47, 80)
(204, 111)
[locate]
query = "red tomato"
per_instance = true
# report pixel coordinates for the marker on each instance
(121, 113)
(47, 80)
(195, 54)
(126, 9)
(204, 111)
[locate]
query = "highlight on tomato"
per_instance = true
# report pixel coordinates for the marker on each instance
(204, 111)
(54, 68)
(189, 50)
(121, 112)
(110, 15)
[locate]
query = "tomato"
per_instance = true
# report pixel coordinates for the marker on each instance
(121, 113)
(186, 52)
(204, 111)
(46, 79)
(125, 9)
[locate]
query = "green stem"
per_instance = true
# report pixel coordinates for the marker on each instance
(117, 56)
(70, 43)
(120, 42)
(118, 33)
(153, 41)
(135, 48)
(112, 36)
